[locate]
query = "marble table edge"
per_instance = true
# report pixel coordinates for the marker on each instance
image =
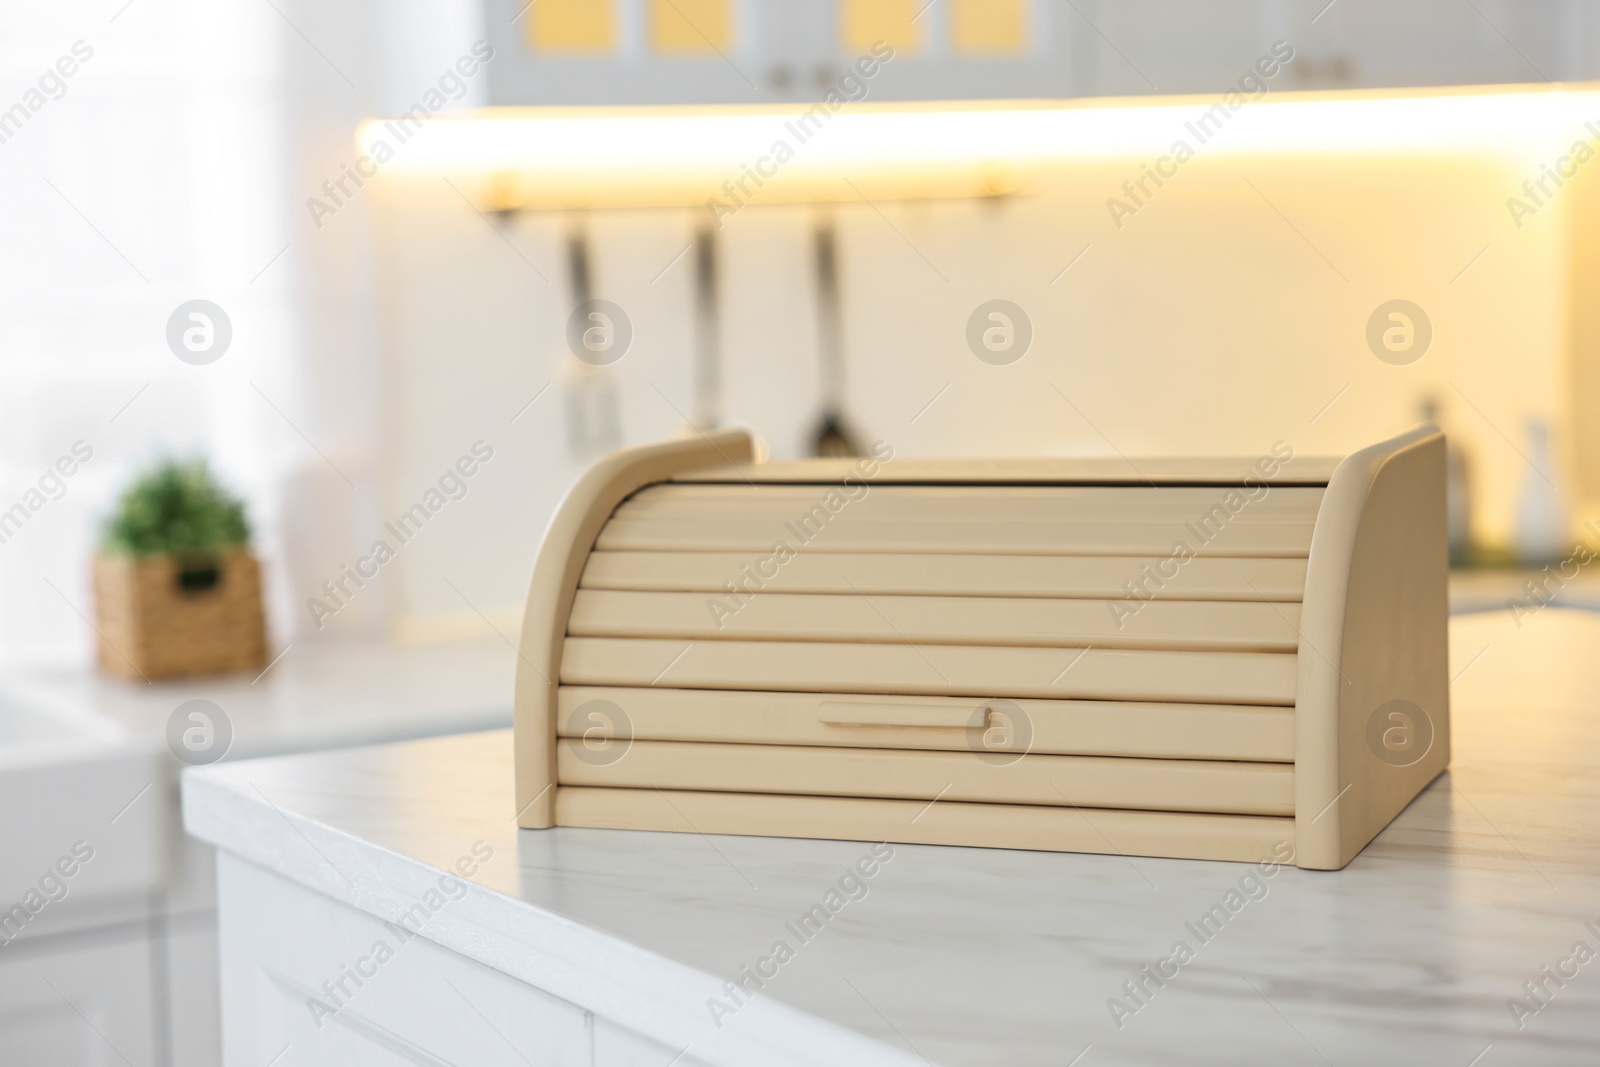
(653, 995)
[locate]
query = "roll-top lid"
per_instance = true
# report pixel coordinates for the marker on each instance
(1136, 471)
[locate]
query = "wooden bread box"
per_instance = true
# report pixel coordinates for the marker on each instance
(1195, 658)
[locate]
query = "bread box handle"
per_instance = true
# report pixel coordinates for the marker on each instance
(862, 713)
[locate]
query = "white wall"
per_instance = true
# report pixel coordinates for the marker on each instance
(1213, 321)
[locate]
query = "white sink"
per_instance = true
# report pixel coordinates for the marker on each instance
(73, 785)
(21, 727)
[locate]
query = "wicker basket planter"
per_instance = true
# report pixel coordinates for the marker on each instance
(159, 617)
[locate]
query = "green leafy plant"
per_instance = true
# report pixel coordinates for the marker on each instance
(177, 507)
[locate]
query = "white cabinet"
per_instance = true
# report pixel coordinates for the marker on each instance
(617, 1046)
(192, 1003)
(783, 50)
(84, 1003)
(336, 986)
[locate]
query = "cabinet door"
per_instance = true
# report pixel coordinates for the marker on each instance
(617, 1046)
(79, 1003)
(338, 986)
(196, 1024)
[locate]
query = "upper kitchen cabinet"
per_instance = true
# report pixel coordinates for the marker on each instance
(632, 52)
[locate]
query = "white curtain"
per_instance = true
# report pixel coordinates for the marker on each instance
(173, 163)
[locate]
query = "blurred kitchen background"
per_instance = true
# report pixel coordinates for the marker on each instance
(386, 317)
(372, 345)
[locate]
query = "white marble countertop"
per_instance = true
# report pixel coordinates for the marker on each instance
(316, 695)
(1410, 955)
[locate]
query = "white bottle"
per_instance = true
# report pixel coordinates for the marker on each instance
(1458, 485)
(1543, 534)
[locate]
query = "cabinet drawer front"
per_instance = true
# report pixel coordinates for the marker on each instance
(1081, 781)
(1065, 727)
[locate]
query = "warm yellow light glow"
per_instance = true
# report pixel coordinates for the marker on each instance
(863, 23)
(988, 27)
(691, 26)
(610, 157)
(572, 26)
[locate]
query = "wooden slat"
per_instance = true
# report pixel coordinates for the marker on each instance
(938, 670)
(979, 536)
(1064, 727)
(1248, 627)
(1137, 471)
(1182, 835)
(1084, 781)
(936, 575)
(910, 503)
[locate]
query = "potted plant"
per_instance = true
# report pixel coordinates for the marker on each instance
(176, 590)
